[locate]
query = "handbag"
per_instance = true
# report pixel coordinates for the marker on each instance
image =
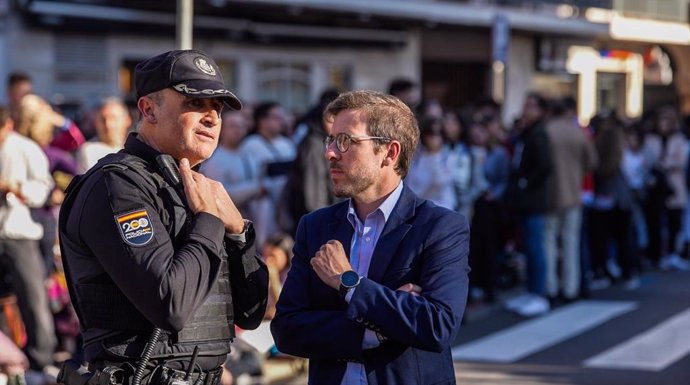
(16, 221)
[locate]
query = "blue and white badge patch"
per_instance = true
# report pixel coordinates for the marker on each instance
(136, 227)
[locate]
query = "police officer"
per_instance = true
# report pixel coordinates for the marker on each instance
(160, 263)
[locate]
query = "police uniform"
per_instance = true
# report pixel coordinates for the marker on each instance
(136, 259)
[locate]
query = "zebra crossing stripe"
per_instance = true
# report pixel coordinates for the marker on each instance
(653, 350)
(528, 337)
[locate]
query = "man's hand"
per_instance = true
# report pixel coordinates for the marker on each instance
(199, 190)
(229, 214)
(411, 288)
(330, 262)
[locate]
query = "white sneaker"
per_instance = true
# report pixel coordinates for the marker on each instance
(678, 263)
(477, 293)
(514, 303)
(633, 283)
(535, 306)
(599, 283)
(613, 268)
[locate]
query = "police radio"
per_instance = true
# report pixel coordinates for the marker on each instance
(170, 170)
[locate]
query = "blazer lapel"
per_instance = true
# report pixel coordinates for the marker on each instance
(395, 230)
(340, 229)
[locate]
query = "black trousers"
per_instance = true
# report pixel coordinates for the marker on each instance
(655, 212)
(612, 225)
(486, 239)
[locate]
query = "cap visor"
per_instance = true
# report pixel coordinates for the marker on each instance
(205, 89)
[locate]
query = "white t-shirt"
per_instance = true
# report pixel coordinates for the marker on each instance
(90, 153)
(261, 152)
(634, 168)
(431, 177)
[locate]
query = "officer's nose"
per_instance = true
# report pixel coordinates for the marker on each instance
(211, 117)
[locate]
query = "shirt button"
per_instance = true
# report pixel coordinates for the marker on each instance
(368, 239)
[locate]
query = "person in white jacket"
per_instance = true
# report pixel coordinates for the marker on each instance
(431, 171)
(25, 182)
(271, 156)
(112, 123)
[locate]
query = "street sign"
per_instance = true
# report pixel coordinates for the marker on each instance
(500, 38)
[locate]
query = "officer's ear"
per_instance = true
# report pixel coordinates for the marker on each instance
(146, 106)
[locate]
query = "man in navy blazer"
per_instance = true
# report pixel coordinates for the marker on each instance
(378, 282)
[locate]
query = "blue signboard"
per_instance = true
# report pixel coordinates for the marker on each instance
(500, 38)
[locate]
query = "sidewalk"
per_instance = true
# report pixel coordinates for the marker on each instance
(285, 372)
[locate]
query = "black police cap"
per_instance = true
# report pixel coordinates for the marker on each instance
(188, 72)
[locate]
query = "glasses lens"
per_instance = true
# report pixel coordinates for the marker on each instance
(342, 140)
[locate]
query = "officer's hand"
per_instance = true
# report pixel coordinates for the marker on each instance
(198, 189)
(329, 262)
(228, 212)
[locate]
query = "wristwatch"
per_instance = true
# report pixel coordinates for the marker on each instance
(348, 281)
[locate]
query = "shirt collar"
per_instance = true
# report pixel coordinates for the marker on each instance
(386, 208)
(135, 146)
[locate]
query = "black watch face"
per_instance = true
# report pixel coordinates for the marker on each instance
(349, 278)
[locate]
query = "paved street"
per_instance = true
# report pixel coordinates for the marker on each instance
(617, 337)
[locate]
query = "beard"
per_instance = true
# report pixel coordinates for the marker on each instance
(350, 185)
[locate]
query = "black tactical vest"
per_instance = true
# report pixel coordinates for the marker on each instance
(104, 306)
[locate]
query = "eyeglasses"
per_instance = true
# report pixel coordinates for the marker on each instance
(344, 140)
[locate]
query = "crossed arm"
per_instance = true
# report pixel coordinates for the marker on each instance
(428, 321)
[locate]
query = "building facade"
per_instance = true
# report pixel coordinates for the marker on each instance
(78, 51)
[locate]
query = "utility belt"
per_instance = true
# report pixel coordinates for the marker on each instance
(73, 373)
(163, 375)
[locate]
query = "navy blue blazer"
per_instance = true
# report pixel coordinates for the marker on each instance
(422, 244)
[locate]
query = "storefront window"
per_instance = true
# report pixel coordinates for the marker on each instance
(340, 77)
(286, 83)
(229, 70)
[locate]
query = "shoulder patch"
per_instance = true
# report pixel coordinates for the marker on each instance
(135, 227)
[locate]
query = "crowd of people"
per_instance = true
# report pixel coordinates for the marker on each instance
(561, 208)
(564, 208)
(41, 150)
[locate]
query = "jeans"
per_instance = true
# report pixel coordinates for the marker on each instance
(533, 228)
(26, 266)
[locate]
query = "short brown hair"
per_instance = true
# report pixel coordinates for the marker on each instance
(4, 115)
(16, 78)
(386, 116)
